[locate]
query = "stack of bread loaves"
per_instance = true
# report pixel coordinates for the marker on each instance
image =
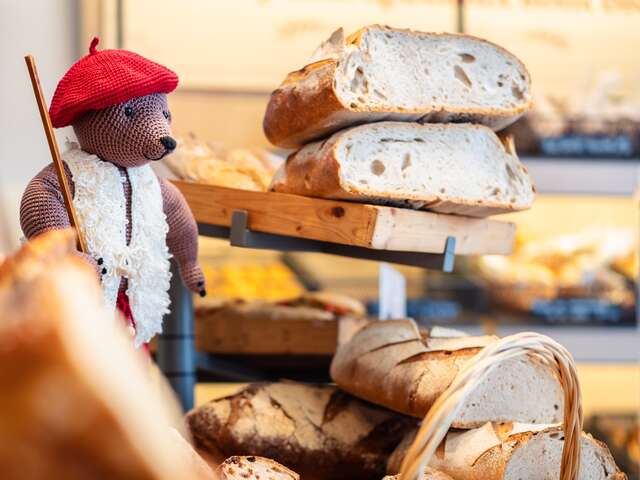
(507, 428)
(404, 118)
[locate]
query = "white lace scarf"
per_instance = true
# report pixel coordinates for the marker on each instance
(101, 208)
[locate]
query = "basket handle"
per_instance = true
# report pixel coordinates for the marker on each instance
(446, 407)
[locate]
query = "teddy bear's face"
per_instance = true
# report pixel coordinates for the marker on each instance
(130, 134)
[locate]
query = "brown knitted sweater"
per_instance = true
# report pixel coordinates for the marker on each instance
(42, 209)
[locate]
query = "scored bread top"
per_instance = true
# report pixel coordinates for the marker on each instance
(382, 73)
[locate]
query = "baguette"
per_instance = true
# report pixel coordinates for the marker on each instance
(77, 401)
(382, 73)
(511, 451)
(318, 431)
(392, 364)
(254, 468)
(458, 168)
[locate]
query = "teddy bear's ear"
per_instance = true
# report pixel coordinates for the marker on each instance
(104, 78)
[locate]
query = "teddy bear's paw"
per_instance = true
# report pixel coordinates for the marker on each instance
(193, 278)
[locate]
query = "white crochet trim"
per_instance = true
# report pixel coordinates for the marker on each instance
(101, 208)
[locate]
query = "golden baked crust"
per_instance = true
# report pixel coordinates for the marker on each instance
(77, 401)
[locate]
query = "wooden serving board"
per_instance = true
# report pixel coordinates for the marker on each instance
(357, 224)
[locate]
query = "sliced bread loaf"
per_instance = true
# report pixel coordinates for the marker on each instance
(458, 168)
(427, 474)
(254, 468)
(381, 73)
(512, 452)
(392, 364)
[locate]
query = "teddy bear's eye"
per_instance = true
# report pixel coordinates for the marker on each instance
(166, 114)
(128, 111)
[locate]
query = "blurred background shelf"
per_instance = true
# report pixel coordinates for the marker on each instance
(584, 176)
(606, 344)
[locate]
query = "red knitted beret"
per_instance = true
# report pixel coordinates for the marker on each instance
(102, 79)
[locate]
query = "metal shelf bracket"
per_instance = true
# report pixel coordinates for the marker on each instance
(240, 235)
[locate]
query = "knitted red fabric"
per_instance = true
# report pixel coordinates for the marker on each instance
(102, 79)
(123, 305)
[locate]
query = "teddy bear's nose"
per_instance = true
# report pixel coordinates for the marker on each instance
(169, 143)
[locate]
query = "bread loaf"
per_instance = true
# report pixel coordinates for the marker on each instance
(77, 401)
(391, 363)
(382, 73)
(428, 474)
(254, 468)
(318, 431)
(511, 451)
(308, 325)
(456, 168)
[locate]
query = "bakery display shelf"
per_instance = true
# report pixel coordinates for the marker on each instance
(292, 223)
(295, 223)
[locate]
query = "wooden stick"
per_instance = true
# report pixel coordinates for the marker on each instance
(55, 153)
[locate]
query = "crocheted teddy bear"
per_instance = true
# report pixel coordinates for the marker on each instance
(132, 221)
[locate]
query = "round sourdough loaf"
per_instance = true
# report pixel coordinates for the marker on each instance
(319, 431)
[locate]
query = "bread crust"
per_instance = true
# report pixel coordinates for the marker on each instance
(386, 363)
(307, 106)
(314, 171)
